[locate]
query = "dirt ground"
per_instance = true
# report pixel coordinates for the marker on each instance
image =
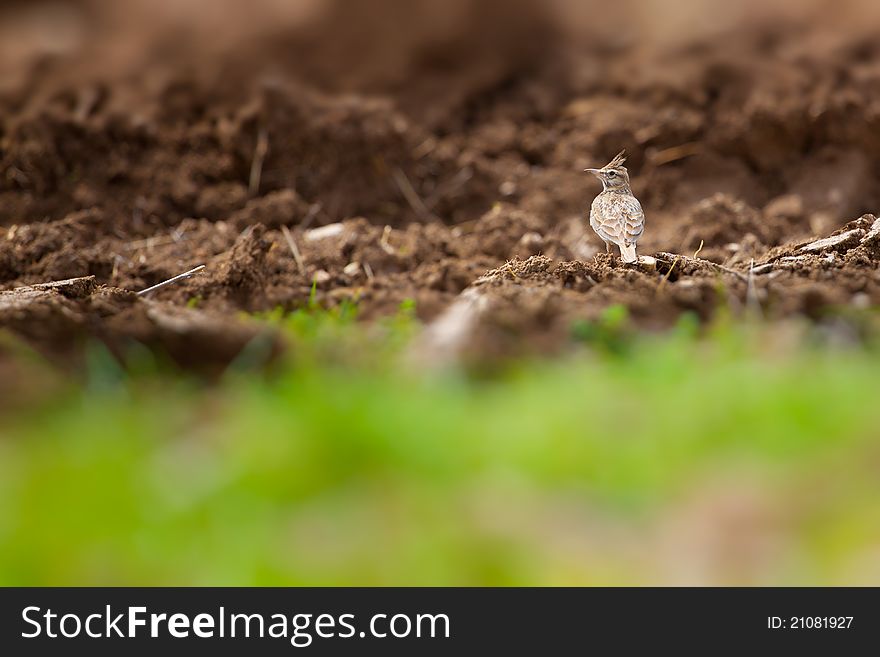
(428, 151)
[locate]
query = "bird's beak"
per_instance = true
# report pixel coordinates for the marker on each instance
(595, 172)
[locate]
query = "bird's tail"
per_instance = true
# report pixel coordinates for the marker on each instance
(628, 252)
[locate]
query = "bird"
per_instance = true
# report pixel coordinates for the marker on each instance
(616, 215)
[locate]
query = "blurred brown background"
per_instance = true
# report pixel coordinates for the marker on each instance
(749, 124)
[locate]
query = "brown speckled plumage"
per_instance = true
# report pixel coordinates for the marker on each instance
(616, 215)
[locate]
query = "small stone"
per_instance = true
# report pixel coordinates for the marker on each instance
(507, 188)
(847, 239)
(352, 269)
(330, 230)
(873, 235)
(531, 242)
(321, 276)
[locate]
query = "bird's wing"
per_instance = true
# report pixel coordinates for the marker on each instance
(632, 219)
(619, 219)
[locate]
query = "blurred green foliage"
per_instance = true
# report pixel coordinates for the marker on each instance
(727, 458)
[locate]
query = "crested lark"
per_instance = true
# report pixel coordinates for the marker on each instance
(616, 215)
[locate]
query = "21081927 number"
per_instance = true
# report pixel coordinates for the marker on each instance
(820, 622)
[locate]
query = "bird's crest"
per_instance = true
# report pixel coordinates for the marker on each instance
(617, 162)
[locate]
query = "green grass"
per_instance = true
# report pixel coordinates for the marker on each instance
(638, 460)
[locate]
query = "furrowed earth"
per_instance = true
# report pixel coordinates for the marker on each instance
(321, 156)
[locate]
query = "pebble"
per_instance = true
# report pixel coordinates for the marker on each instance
(323, 232)
(532, 242)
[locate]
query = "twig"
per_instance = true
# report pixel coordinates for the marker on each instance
(674, 153)
(668, 274)
(293, 248)
(697, 252)
(368, 270)
(409, 193)
(449, 187)
(770, 265)
(159, 240)
(314, 209)
(707, 263)
(185, 274)
(384, 243)
(260, 150)
(752, 302)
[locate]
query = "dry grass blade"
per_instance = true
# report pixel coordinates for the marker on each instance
(260, 151)
(173, 279)
(297, 256)
(674, 153)
(700, 248)
(410, 194)
(159, 240)
(314, 209)
(384, 241)
(665, 279)
(752, 302)
(450, 187)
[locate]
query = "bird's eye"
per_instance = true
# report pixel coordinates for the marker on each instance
(612, 173)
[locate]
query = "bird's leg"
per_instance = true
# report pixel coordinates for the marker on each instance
(607, 247)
